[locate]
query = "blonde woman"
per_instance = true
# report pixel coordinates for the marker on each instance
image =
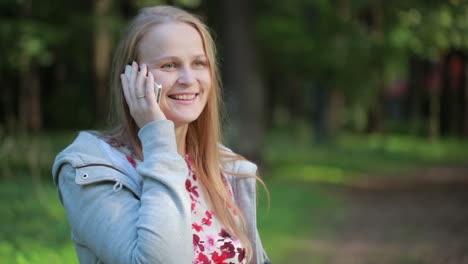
(160, 187)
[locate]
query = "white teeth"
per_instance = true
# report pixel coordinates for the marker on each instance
(184, 97)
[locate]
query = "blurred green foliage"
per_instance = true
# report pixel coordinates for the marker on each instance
(357, 47)
(293, 155)
(33, 225)
(345, 43)
(31, 156)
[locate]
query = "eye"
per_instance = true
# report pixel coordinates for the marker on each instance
(200, 63)
(168, 65)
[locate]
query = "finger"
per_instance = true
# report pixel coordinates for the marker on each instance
(128, 71)
(131, 85)
(139, 89)
(125, 89)
(150, 96)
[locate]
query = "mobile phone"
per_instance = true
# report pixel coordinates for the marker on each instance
(158, 91)
(157, 86)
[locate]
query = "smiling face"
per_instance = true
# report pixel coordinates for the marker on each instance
(175, 55)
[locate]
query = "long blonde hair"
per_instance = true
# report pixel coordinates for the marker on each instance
(203, 135)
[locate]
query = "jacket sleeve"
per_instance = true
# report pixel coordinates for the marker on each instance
(120, 228)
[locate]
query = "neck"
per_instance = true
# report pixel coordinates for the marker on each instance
(181, 133)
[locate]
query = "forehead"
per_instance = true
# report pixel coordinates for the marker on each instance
(171, 39)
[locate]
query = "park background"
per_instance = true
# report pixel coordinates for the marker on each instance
(355, 110)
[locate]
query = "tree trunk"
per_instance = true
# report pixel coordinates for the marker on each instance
(465, 116)
(8, 110)
(434, 116)
(30, 114)
(376, 114)
(102, 54)
(334, 113)
(35, 114)
(244, 89)
(434, 86)
(456, 93)
(29, 105)
(415, 94)
(320, 101)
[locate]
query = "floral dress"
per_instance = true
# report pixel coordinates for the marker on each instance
(211, 243)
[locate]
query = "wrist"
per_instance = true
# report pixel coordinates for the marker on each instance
(158, 136)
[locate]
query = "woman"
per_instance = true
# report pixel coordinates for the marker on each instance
(159, 187)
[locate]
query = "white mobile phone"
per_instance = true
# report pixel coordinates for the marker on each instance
(158, 91)
(157, 86)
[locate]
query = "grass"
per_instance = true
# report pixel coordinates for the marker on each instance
(352, 156)
(34, 229)
(295, 215)
(33, 226)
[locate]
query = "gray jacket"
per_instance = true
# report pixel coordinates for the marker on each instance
(119, 216)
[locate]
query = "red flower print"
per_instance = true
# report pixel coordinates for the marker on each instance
(188, 161)
(219, 259)
(206, 221)
(210, 242)
(190, 188)
(198, 243)
(209, 214)
(193, 206)
(197, 227)
(228, 250)
(202, 259)
(224, 233)
(131, 160)
(241, 255)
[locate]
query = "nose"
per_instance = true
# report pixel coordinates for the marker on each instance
(186, 77)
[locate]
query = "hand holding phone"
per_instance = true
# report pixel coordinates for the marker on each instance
(142, 94)
(157, 86)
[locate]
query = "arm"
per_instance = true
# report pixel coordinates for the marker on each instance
(120, 228)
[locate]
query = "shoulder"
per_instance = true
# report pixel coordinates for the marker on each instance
(236, 163)
(87, 149)
(238, 170)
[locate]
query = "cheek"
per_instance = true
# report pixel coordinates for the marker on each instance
(164, 78)
(206, 81)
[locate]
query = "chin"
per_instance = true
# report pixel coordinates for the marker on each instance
(183, 121)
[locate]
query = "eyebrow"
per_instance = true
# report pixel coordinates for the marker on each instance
(162, 58)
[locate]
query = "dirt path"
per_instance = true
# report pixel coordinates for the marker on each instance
(413, 218)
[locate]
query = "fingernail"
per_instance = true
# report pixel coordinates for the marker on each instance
(128, 70)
